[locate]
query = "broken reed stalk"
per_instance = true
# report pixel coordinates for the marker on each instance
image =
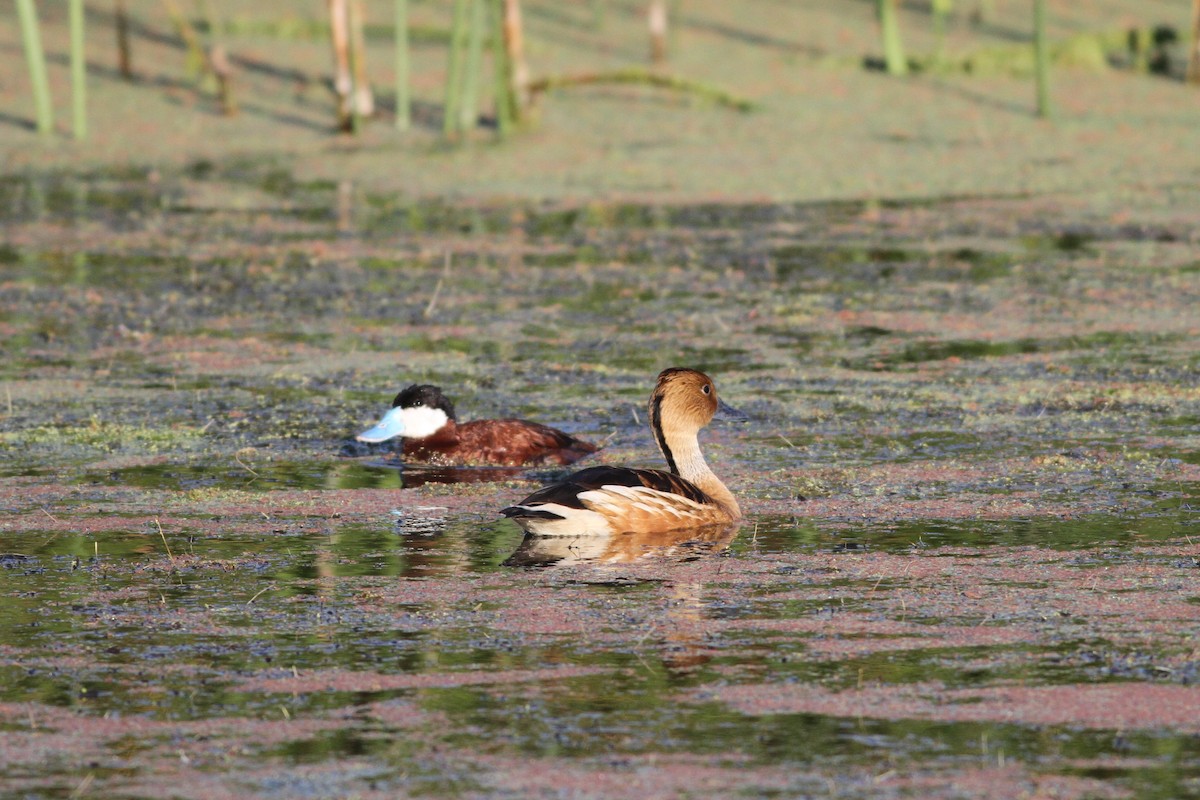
(223, 71)
(1041, 58)
(403, 100)
(163, 536)
(514, 48)
(364, 99)
(469, 112)
(645, 77)
(657, 19)
(437, 289)
(505, 109)
(343, 83)
(345, 206)
(452, 110)
(197, 60)
(893, 50)
(354, 25)
(35, 60)
(941, 13)
(244, 465)
(1193, 68)
(78, 71)
(257, 595)
(204, 62)
(216, 62)
(124, 55)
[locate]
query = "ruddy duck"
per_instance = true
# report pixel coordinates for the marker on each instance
(425, 418)
(609, 500)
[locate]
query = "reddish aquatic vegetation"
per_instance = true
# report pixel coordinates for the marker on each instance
(71, 521)
(98, 728)
(1117, 706)
(760, 672)
(962, 506)
(49, 732)
(1003, 782)
(343, 681)
(653, 775)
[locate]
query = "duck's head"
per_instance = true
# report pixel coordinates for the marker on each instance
(418, 411)
(684, 401)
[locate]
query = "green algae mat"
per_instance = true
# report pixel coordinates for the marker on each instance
(969, 565)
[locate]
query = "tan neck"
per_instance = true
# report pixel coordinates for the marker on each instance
(687, 461)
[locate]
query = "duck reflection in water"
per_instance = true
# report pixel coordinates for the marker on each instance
(683, 632)
(419, 476)
(391, 474)
(680, 545)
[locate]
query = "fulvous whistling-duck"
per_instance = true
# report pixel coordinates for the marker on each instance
(607, 500)
(425, 418)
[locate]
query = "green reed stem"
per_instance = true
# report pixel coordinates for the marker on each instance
(35, 59)
(501, 71)
(403, 99)
(454, 68)
(469, 112)
(353, 28)
(893, 50)
(78, 71)
(1041, 57)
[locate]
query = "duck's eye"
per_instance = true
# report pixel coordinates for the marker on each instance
(706, 389)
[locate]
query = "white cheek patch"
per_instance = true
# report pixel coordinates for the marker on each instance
(422, 421)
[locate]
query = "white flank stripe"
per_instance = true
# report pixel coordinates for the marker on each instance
(577, 522)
